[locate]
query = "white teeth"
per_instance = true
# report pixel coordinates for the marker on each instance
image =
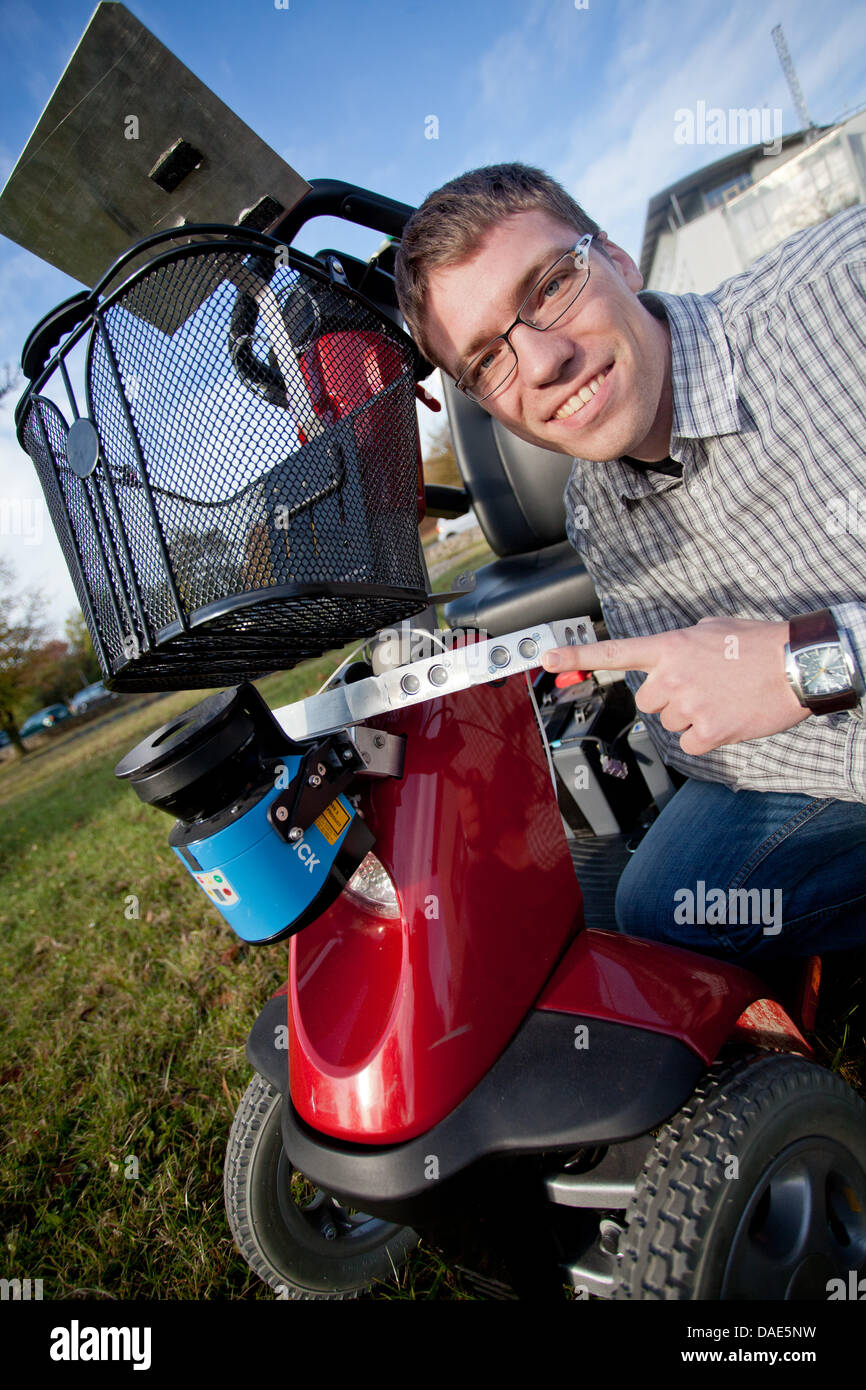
(578, 401)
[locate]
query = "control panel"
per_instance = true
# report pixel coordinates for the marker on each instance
(448, 671)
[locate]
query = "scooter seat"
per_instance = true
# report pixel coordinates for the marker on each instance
(515, 591)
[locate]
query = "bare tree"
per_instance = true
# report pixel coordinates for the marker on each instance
(440, 465)
(22, 634)
(11, 378)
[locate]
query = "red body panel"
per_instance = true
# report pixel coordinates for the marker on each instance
(661, 988)
(393, 1022)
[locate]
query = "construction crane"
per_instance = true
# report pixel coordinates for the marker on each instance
(806, 122)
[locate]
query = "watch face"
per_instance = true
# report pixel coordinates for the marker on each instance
(823, 670)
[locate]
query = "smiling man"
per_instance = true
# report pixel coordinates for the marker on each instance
(713, 437)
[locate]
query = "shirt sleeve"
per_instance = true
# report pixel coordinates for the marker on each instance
(851, 617)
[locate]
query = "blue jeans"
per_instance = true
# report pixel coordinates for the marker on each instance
(749, 876)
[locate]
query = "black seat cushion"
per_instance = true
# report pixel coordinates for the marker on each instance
(516, 591)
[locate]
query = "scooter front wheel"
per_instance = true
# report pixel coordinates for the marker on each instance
(297, 1238)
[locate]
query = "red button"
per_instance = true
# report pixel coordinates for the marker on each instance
(571, 678)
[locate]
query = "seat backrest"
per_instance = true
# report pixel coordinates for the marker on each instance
(516, 487)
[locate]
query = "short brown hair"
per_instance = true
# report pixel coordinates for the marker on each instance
(451, 221)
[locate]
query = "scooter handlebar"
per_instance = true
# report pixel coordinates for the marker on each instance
(334, 198)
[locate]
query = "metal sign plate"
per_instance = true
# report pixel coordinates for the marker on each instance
(131, 142)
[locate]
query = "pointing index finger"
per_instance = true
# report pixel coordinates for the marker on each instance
(615, 654)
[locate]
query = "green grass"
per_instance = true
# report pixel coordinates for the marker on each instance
(125, 1003)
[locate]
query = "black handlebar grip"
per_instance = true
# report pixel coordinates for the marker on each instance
(334, 198)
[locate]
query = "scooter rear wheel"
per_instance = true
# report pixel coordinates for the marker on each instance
(755, 1190)
(298, 1239)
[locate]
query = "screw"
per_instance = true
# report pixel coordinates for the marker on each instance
(314, 780)
(347, 755)
(337, 265)
(329, 1230)
(379, 741)
(295, 833)
(321, 769)
(282, 813)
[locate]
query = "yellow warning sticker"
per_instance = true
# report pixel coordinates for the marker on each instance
(333, 821)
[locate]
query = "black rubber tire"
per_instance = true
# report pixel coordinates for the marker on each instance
(798, 1135)
(277, 1234)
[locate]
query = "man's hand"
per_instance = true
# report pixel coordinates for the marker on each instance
(721, 681)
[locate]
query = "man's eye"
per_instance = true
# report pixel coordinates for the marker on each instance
(555, 289)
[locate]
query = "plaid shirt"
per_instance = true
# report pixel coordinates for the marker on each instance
(769, 517)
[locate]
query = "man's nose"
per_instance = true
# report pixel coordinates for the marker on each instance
(541, 354)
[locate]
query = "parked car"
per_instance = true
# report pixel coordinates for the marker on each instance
(91, 695)
(43, 719)
(451, 525)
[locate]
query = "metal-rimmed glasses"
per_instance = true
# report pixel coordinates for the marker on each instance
(548, 301)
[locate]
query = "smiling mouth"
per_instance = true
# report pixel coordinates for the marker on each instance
(576, 403)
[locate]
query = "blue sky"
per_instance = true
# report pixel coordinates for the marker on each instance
(343, 88)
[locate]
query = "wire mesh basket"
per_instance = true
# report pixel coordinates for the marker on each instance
(241, 490)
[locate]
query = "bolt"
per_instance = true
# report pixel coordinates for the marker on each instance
(314, 781)
(329, 1230)
(321, 769)
(295, 833)
(337, 265)
(347, 755)
(282, 813)
(379, 741)
(366, 757)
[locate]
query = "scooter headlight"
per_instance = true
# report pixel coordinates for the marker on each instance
(372, 886)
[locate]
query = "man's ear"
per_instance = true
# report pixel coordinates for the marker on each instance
(623, 262)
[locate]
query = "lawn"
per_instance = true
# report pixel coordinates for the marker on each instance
(125, 1003)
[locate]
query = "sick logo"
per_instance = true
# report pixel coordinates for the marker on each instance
(305, 853)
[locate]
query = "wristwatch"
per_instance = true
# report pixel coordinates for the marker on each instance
(820, 665)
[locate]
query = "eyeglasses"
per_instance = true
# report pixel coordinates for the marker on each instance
(548, 301)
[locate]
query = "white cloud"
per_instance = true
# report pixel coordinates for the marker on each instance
(592, 97)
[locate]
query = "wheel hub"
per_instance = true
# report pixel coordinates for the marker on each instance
(804, 1225)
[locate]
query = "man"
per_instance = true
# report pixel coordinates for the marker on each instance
(716, 440)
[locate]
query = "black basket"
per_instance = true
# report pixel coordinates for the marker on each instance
(241, 492)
